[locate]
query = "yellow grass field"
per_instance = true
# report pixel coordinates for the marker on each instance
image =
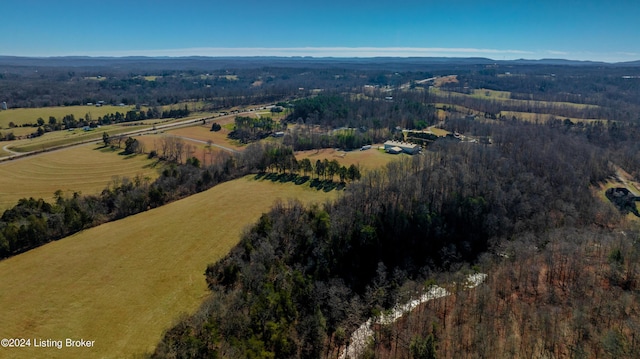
(125, 282)
(85, 169)
(21, 116)
(196, 136)
(60, 138)
(438, 131)
(541, 117)
(200, 150)
(491, 94)
(204, 133)
(445, 79)
(503, 96)
(367, 160)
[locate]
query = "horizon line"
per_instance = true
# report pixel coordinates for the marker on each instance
(352, 52)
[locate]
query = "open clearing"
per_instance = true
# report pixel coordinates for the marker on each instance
(367, 160)
(204, 133)
(125, 282)
(541, 117)
(622, 179)
(86, 169)
(196, 149)
(66, 137)
(504, 98)
(21, 116)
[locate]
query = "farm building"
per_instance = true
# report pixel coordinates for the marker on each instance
(394, 150)
(393, 146)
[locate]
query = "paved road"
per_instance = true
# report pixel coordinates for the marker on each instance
(185, 123)
(206, 143)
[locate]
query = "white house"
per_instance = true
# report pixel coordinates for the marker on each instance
(393, 146)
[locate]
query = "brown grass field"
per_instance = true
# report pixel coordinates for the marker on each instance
(62, 138)
(204, 133)
(21, 116)
(503, 97)
(125, 282)
(200, 150)
(367, 160)
(86, 169)
(541, 117)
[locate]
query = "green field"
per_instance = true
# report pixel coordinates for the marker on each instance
(21, 116)
(125, 282)
(83, 168)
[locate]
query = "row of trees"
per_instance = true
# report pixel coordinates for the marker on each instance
(281, 159)
(33, 222)
(614, 96)
(492, 108)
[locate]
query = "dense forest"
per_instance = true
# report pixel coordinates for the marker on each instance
(306, 277)
(342, 121)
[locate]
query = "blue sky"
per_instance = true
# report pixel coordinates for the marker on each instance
(580, 30)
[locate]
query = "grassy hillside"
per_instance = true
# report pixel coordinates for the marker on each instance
(369, 159)
(123, 283)
(85, 169)
(62, 138)
(21, 116)
(504, 97)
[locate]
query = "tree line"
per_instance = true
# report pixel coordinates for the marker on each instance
(33, 222)
(611, 95)
(281, 158)
(350, 122)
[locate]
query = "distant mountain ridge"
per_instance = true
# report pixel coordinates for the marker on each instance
(295, 61)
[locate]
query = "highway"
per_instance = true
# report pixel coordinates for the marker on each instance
(185, 123)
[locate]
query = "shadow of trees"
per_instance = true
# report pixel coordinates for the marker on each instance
(315, 183)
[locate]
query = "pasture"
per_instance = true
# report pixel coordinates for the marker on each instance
(438, 131)
(540, 117)
(204, 134)
(193, 148)
(20, 116)
(125, 282)
(366, 160)
(491, 94)
(66, 137)
(86, 169)
(504, 97)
